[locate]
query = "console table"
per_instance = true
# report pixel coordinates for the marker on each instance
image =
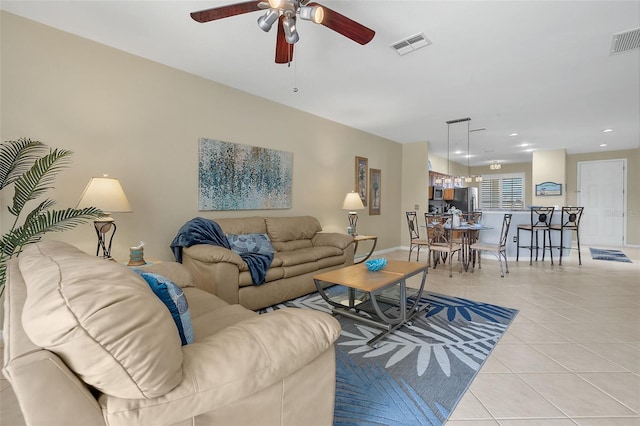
(359, 238)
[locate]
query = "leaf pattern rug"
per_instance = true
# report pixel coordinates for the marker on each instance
(417, 374)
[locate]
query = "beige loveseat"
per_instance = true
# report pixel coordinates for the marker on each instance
(88, 343)
(302, 250)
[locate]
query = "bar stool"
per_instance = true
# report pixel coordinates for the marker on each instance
(570, 221)
(540, 221)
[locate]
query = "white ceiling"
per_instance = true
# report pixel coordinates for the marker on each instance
(538, 68)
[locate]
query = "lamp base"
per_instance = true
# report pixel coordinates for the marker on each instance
(103, 225)
(353, 220)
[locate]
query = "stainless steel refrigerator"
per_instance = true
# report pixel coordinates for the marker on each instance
(465, 199)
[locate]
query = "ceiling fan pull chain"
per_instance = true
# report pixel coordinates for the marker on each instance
(295, 77)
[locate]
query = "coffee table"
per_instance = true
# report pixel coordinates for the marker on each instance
(378, 304)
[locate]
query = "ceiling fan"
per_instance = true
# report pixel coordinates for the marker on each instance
(286, 13)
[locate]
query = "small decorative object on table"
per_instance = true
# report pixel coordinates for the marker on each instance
(456, 215)
(376, 264)
(136, 255)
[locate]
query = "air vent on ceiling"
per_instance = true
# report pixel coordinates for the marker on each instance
(625, 41)
(410, 44)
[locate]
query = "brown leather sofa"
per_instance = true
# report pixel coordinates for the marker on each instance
(88, 343)
(302, 250)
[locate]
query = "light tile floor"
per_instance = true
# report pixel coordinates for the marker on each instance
(571, 356)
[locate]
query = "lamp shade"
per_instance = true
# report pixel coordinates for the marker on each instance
(352, 202)
(105, 193)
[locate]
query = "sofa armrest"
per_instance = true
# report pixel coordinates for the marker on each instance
(239, 361)
(215, 269)
(49, 393)
(213, 254)
(334, 239)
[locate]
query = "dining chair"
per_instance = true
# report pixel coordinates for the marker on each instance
(540, 221)
(414, 235)
(473, 218)
(499, 249)
(443, 218)
(440, 243)
(569, 221)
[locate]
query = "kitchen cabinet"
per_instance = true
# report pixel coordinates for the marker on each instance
(448, 194)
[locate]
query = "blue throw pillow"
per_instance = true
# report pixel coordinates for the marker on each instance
(250, 243)
(173, 297)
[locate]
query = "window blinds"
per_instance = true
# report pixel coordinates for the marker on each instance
(504, 191)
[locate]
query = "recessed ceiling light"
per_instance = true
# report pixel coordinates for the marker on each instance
(529, 150)
(603, 144)
(607, 130)
(524, 144)
(513, 134)
(458, 152)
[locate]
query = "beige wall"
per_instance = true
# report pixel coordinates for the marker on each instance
(140, 121)
(440, 165)
(415, 178)
(548, 166)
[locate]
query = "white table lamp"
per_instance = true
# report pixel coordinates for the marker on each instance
(353, 202)
(106, 194)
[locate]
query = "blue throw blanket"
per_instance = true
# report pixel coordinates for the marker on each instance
(205, 231)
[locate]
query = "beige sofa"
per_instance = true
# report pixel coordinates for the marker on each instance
(88, 343)
(302, 251)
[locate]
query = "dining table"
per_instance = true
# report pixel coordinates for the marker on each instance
(468, 233)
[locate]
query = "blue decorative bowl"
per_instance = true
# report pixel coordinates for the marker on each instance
(376, 264)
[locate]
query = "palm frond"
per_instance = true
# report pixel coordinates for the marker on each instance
(39, 178)
(43, 206)
(16, 157)
(48, 221)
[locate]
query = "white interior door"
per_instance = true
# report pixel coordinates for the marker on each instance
(601, 190)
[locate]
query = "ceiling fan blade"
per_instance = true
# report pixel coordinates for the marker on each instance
(345, 26)
(284, 50)
(225, 11)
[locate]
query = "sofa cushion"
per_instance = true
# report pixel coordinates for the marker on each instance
(292, 228)
(292, 245)
(244, 225)
(102, 319)
(234, 363)
(311, 254)
(173, 298)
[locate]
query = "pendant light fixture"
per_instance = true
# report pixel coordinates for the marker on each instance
(458, 180)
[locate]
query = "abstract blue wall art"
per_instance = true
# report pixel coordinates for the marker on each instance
(243, 177)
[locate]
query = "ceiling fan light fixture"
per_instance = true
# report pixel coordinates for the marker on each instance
(266, 21)
(312, 13)
(290, 32)
(275, 4)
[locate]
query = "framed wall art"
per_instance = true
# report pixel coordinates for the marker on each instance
(362, 165)
(375, 190)
(232, 176)
(548, 188)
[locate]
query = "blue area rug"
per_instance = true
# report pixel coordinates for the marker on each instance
(608, 254)
(418, 373)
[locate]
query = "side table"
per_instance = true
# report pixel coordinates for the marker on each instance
(356, 241)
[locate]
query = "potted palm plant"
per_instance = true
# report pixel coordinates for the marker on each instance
(30, 168)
